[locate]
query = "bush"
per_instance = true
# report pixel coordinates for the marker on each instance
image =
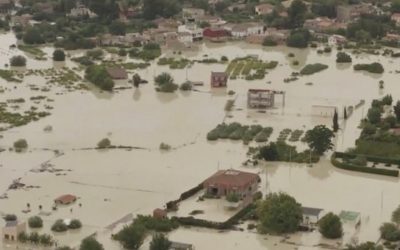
(104, 143)
(59, 226)
(10, 217)
(35, 222)
(310, 69)
(90, 243)
(375, 68)
(18, 61)
(186, 86)
(359, 161)
(20, 144)
(389, 232)
(342, 57)
(269, 42)
(233, 197)
(298, 38)
(75, 224)
(59, 55)
(98, 75)
(160, 242)
(330, 226)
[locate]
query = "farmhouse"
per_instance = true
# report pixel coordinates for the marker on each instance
(12, 229)
(260, 98)
(231, 181)
(219, 79)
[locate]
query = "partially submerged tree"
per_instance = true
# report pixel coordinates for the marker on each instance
(330, 226)
(335, 122)
(319, 139)
(104, 143)
(90, 243)
(279, 213)
(160, 242)
(59, 55)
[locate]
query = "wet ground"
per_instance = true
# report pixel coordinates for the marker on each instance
(113, 183)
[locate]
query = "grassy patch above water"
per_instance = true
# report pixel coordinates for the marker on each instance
(38, 53)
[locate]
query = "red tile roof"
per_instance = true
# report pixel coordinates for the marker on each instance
(232, 178)
(65, 199)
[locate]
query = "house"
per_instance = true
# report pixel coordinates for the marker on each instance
(232, 181)
(117, 73)
(194, 13)
(81, 11)
(334, 40)
(219, 79)
(180, 246)
(396, 18)
(264, 9)
(311, 215)
(159, 213)
(260, 98)
(215, 34)
(321, 24)
(12, 229)
(65, 199)
(193, 29)
(5, 5)
(243, 30)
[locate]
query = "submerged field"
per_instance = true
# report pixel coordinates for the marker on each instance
(116, 182)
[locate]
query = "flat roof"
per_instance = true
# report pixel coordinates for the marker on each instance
(311, 211)
(350, 216)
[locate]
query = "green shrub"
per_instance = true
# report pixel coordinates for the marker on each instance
(342, 57)
(330, 226)
(98, 75)
(20, 144)
(389, 232)
(375, 68)
(75, 224)
(18, 61)
(35, 222)
(59, 226)
(59, 55)
(104, 143)
(310, 69)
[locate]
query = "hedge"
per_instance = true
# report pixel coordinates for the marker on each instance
(191, 221)
(185, 195)
(369, 158)
(351, 167)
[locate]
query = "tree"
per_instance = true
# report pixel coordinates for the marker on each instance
(395, 6)
(132, 236)
(18, 61)
(330, 226)
(165, 83)
(33, 35)
(269, 152)
(163, 8)
(319, 139)
(296, 14)
(117, 28)
(136, 80)
(397, 110)
(364, 246)
(298, 38)
(335, 122)
(324, 8)
(374, 115)
(59, 226)
(20, 144)
(396, 216)
(389, 232)
(279, 213)
(387, 100)
(59, 55)
(104, 143)
(90, 243)
(345, 113)
(75, 224)
(343, 57)
(160, 242)
(35, 222)
(10, 217)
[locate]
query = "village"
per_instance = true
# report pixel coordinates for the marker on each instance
(209, 124)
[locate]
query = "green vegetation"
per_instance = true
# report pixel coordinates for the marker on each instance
(10, 217)
(343, 57)
(104, 143)
(159, 242)
(280, 151)
(165, 83)
(233, 197)
(18, 61)
(59, 55)
(390, 232)
(298, 38)
(33, 50)
(9, 75)
(149, 52)
(35, 222)
(20, 144)
(75, 224)
(279, 213)
(310, 69)
(98, 75)
(90, 243)
(36, 239)
(319, 139)
(17, 119)
(330, 226)
(269, 42)
(375, 68)
(174, 63)
(249, 67)
(59, 226)
(364, 246)
(132, 236)
(236, 131)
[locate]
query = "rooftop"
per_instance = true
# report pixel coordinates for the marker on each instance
(232, 178)
(311, 211)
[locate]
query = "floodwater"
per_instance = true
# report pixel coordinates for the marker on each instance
(114, 183)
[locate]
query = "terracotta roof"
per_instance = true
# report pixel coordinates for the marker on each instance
(66, 198)
(231, 178)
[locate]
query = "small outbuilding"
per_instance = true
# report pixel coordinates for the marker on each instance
(159, 213)
(232, 181)
(180, 246)
(12, 229)
(65, 199)
(219, 79)
(311, 215)
(117, 73)
(260, 98)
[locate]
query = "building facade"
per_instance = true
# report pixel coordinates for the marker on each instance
(260, 98)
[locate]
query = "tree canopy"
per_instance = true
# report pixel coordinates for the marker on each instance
(319, 139)
(160, 242)
(279, 213)
(330, 226)
(90, 243)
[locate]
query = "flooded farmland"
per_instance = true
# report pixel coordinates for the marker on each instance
(111, 184)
